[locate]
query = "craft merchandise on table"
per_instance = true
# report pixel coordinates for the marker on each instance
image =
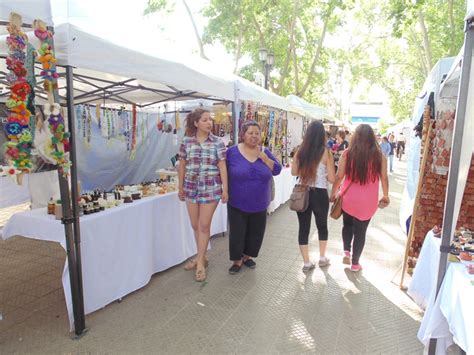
(449, 317)
(121, 247)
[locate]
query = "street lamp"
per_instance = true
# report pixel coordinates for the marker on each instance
(268, 60)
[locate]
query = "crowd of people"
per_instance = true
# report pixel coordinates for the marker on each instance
(241, 176)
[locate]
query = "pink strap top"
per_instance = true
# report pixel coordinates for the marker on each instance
(360, 201)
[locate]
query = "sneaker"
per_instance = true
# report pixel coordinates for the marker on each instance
(346, 259)
(323, 261)
(356, 267)
(309, 267)
(234, 269)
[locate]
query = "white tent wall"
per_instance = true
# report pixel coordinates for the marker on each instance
(107, 162)
(295, 130)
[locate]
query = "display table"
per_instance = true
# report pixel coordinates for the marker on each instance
(284, 184)
(450, 318)
(121, 247)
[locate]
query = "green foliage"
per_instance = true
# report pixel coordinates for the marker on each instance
(155, 6)
(291, 29)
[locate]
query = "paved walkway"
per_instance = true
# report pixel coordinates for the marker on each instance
(274, 308)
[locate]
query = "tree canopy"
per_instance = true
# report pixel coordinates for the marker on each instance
(324, 49)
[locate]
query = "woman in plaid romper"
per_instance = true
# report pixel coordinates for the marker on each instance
(202, 181)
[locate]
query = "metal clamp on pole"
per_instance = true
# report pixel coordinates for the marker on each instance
(444, 248)
(68, 220)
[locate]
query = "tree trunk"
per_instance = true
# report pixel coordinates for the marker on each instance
(284, 73)
(426, 40)
(261, 38)
(420, 53)
(452, 29)
(239, 41)
(196, 32)
(316, 57)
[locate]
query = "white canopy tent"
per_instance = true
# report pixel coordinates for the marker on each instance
(99, 70)
(312, 111)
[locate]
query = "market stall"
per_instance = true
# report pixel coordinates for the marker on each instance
(446, 319)
(447, 315)
(126, 78)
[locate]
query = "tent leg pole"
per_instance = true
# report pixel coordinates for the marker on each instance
(411, 232)
(80, 325)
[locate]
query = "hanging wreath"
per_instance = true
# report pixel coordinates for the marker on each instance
(20, 141)
(52, 110)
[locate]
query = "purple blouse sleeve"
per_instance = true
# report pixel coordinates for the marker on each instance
(277, 166)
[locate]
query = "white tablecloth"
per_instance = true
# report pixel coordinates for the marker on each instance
(450, 318)
(426, 271)
(121, 247)
(283, 187)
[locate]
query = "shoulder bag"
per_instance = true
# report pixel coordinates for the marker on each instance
(299, 199)
(336, 208)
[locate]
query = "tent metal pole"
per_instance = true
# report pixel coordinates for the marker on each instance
(454, 163)
(236, 115)
(79, 322)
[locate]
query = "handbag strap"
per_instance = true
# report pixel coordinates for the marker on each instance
(347, 188)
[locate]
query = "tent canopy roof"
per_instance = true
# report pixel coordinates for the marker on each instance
(108, 70)
(312, 110)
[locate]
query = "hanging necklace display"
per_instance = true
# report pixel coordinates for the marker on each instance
(89, 126)
(134, 133)
(18, 148)
(112, 118)
(126, 133)
(60, 138)
(98, 113)
(81, 120)
(108, 114)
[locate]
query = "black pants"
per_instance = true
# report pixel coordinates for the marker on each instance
(353, 232)
(319, 206)
(246, 232)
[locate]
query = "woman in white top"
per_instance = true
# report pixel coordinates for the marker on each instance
(314, 165)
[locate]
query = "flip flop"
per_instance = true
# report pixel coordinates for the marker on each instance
(192, 263)
(200, 275)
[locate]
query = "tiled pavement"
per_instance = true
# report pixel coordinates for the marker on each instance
(274, 308)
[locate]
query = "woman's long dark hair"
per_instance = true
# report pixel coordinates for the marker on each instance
(364, 157)
(191, 118)
(311, 151)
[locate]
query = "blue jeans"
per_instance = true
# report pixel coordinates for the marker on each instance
(390, 158)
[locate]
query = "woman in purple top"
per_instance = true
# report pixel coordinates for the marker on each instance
(250, 169)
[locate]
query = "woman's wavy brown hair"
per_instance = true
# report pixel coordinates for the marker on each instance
(191, 118)
(311, 151)
(364, 157)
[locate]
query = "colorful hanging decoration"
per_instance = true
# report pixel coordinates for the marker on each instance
(134, 133)
(97, 114)
(17, 128)
(52, 110)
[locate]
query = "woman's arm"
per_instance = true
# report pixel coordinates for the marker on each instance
(341, 172)
(384, 181)
(223, 171)
(294, 165)
(330, 166)
(270, 161)
(181, 172)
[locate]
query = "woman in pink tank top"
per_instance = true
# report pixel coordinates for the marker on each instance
(361, 167)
